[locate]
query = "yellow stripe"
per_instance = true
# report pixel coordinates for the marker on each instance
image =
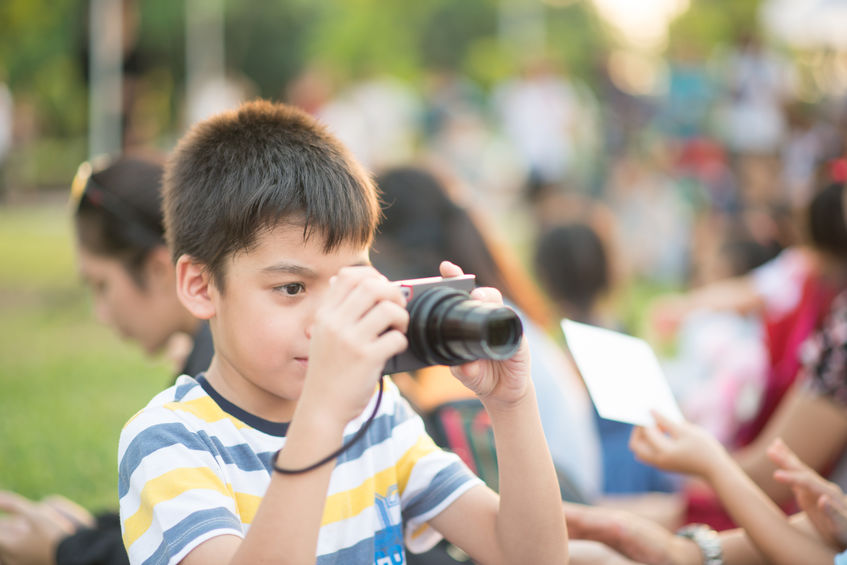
(206, 409)
(424, 446)
(247, 504)
(349, 503)
(166, 487)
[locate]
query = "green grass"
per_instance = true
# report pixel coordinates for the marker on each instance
(67, 384)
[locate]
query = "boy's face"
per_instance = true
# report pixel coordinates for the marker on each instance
(262, 319)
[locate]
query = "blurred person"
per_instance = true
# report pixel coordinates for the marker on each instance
(686, 448)
(719, 366)
(539, 113)
(122, 257)
(798, 287)
(817, 535)
(756, 83)
(653, 218)
(422, 226)
(572, 265)
(375, 116)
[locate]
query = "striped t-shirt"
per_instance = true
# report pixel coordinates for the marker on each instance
(194, 466)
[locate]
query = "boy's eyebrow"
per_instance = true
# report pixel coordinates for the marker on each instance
(290, 269)
(303, 271)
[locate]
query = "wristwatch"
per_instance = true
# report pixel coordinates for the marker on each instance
(706, 539)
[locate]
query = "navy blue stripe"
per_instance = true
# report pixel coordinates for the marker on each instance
(181, 390)
(190, 528)
(278, 429)
(440, 487)
(161, 436)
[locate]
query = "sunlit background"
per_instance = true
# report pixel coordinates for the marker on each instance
(674, 119)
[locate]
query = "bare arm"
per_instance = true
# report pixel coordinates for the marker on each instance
(525, 524)
(738, 294)
(525, 521)
(683, 447)
(798, 421)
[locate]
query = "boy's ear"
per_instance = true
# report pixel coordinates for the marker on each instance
(193, 287)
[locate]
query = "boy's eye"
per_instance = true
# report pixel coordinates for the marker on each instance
(292, 289)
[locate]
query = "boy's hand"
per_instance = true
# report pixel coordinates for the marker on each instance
(500, 382)
(360, 325)
(677, 446)
(822, 500)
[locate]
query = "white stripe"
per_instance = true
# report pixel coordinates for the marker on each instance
(346, 533)
(169, 513)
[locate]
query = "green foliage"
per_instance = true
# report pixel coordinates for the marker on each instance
(67, 385)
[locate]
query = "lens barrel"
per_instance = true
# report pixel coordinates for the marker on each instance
(448, 327)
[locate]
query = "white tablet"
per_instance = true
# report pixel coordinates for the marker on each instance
(622, 374)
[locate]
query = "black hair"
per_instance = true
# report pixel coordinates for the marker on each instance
(423, 226)
(572, 266)
(119, 214)
(826, 226)
(239, 173)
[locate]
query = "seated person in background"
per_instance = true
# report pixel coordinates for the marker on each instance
(572, 266)
(817, 536)
(270, 221)
(719, 366)
(795, 405)
(423, 225)
(123, 258)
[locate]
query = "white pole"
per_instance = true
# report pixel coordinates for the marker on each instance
(204, 51)
(105, 95)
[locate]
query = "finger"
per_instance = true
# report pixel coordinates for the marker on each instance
(389, 344)
(70, 509)
(448, 269)
(639, 443)
(781, 455)
(364, 295)
(487, 294)
(794, 478)
(382, 317)
(342, 284)
(13, 503)
(665, 424)
(835, 509)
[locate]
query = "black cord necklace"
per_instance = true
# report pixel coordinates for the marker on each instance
(344, 447)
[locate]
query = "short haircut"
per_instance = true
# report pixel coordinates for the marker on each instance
(825, 217)
(571, 263)
(242, 172)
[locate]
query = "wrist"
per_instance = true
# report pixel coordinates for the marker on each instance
(702, 545)
(684, 551)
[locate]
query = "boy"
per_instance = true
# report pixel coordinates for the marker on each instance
(270, 220)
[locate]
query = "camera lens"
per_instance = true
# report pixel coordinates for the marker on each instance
(447, 327)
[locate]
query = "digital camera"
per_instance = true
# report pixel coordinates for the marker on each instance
(448, 327)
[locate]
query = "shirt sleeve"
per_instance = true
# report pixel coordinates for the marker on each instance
(779, 281)
(824, 355)
(431, 479)
(173, 492)
(841, 558)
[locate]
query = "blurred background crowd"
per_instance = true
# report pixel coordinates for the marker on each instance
(690, 135)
